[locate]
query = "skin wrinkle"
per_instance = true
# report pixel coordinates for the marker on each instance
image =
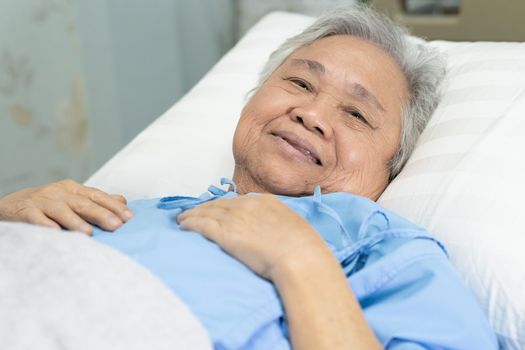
(300, 99)
(361, 92)
(259, 181)
(247, 175)
(354, 89)
(313, 66)
(308, 96)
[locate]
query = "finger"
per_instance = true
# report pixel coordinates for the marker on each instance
(65, 217)
(120, 198)
(221, 202)
(36, 217)
(94, 213)
(208, 227)
(216, 211)
(116, 206)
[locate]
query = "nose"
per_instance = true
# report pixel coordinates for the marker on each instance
(314, 116)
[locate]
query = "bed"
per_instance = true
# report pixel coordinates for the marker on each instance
(465, 183)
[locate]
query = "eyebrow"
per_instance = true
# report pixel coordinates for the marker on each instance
(356, 89)
(313, 66)
(361, 92)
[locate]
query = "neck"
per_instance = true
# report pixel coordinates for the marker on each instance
(245, 182)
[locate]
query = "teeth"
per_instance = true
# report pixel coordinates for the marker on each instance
(307, 152)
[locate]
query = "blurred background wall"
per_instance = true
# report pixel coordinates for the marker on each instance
(44, 123)
(80, 78)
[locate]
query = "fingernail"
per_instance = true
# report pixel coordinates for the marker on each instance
(113, 221)
(127, 214)
(86, 229)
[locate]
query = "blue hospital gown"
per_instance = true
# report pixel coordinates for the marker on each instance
(411, 295)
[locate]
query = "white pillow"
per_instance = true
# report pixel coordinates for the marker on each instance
(464, 181)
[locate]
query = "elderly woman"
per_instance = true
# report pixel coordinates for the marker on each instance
(337, 112)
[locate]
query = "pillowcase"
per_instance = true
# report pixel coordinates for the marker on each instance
(464, 181)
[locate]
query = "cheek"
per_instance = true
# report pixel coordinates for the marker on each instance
(259, 112)
(360, 157)
(351, 155)
(248, 131)
(389, 143)
(241, 137)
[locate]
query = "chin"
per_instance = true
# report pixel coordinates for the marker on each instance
(281, 182)
(276, 174)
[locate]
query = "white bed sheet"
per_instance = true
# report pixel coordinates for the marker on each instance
(63, 290)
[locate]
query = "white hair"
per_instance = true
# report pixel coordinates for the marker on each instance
(422, 66)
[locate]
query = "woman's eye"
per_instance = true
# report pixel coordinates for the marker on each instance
(301, 84)
(356, 114)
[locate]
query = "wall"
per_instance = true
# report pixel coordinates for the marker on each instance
(44, 128)
(79, 79)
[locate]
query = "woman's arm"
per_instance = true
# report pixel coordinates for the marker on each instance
(65, 204)
(281, 246)
(321, 308)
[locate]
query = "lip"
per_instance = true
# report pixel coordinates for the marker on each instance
(302, 146)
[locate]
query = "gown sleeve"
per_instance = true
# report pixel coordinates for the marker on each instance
(414, 299)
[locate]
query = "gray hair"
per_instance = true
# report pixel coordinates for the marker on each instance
(422, 66)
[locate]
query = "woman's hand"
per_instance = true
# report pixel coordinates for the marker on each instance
(258, 230)
(66, 204)
(278, 244)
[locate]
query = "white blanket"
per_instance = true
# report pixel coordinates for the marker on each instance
(62, 290)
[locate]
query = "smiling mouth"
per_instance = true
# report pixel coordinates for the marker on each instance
(300, 147)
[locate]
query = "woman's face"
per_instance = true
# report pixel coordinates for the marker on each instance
(330, 115)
